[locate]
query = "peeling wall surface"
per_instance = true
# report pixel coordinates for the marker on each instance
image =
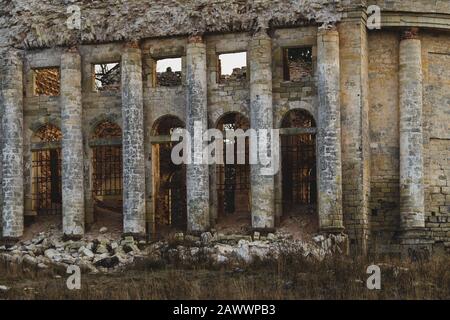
(379, 97)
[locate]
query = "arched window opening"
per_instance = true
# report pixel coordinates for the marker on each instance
(46, 170)
(169, 180)
(233, 179)
(107, 130)
(166, 125)
(298, 151)
(107, 166)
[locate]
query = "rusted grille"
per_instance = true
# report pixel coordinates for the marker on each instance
(47, 81)
(107, 161)
(46, 171)
(107, 175)
(233, 180)
(46, 195)
(299, 169)
(298, 151)
(48, 133)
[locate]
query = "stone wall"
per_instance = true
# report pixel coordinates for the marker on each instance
(436, 67)
(384, 136)
(355, 131)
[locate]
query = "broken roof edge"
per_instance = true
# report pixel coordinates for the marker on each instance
(37, 24)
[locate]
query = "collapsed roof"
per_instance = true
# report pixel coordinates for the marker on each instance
(37, 23)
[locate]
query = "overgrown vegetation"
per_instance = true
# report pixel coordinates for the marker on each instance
(290, 277)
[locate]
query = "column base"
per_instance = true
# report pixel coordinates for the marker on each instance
(136, 236)
(415, 245)
(332, 230)
(9, 241)
(72, 237)
(263, 231)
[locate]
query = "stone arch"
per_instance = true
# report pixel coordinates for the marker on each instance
(46, 133)
(298, 178)
(110, 117)
(233, 108)
(45, 120)
(231, 113)
(298, 118)
(296, 105)
(163, 124)
(107, 129)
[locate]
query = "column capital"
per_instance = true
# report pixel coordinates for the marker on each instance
(331, 30)
(262, 33)
(408, 34)
(328, 27)
(197, 38)
(134, 44)
(73, 49)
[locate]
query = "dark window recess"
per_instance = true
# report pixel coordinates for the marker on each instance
(107, 171)
(169, 180)
(168, 72)
(107, 77)
(298, 154)
(107, 163)
(46, 173)
(47, 81)
(233, 179)
(297, 63)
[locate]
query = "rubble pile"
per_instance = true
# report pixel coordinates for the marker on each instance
(169, 78)
(105, 255)
(238, 74)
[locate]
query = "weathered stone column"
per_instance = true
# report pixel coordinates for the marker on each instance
(329, 135)
(261, 117)
(197, 176)
(133, 141)
(72, 145)
(355, 132)
(11, 100)
(411, 140)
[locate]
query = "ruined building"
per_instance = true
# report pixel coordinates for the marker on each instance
(364, 115)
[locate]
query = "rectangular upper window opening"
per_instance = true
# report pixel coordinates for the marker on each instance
(168, 72)
(46, 81)
(107, 76)
(297, 63)
(232, 66)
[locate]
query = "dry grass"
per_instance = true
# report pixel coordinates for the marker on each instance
(290, 277)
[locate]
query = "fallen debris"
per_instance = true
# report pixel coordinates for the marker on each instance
(103, 254)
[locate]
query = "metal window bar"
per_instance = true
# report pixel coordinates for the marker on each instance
(107, 170)
(233, 184)
(299, 170)
(171, 205)
(47, 194)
